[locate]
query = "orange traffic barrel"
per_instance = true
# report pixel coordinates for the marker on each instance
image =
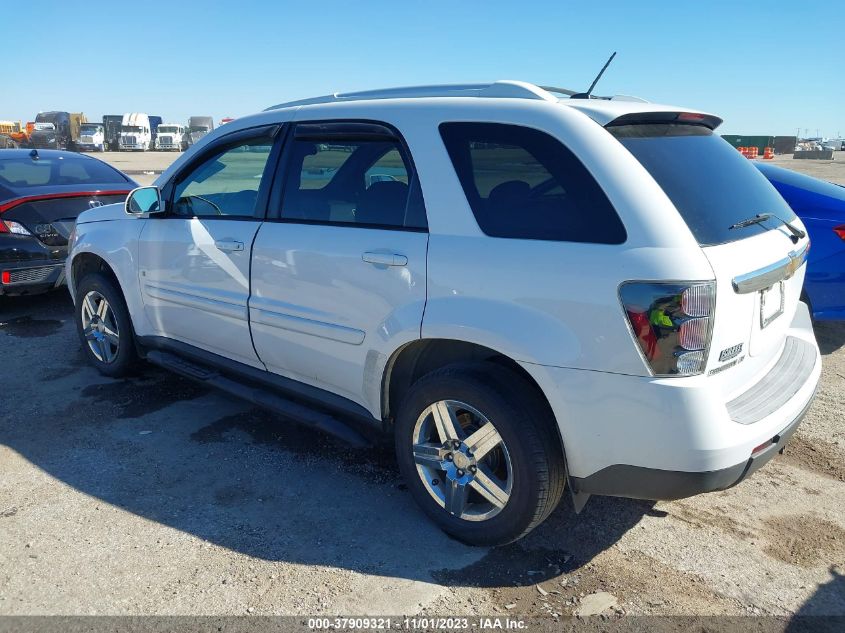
(768, 153)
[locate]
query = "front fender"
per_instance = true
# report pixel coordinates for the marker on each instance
(116, 243)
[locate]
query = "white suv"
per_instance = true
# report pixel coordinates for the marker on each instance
(526, 290)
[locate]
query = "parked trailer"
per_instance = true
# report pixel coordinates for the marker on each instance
(155, 121)
(785, 144)
(76, 120)
(111, 126)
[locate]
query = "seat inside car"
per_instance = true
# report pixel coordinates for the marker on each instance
(383, 202)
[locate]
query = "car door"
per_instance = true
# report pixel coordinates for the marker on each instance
(338, 276)
(194, 260)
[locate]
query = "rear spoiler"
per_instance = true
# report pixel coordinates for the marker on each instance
(685, 118)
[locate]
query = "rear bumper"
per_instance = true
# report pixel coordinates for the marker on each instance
(30, 277)
(638, 482)
(668, 438)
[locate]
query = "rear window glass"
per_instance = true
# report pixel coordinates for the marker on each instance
(20, 173)
(711, 184)
(523, 183)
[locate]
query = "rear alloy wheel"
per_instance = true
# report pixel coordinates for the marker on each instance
(104, 326)
(480, 453)
(458, 452)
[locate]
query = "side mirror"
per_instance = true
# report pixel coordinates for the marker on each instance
(144, 200)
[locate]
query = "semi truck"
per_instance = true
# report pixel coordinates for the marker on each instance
(172, 136)
(64, 133)
(135, 132)
(92, 137)
(199, 126)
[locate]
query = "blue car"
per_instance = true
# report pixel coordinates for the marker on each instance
(821, 206)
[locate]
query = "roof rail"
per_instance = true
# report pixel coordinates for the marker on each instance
(497, 89)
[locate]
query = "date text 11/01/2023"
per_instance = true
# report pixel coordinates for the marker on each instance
(428, 623)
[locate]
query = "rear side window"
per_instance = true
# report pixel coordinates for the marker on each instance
(523, 183)
(18, 173)
(352, 181)
(710, 183)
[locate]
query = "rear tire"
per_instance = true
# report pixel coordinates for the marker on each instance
(104, 326)
(483, 487)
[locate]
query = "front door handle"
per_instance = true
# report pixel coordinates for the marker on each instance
(385, 259)
(229, 245)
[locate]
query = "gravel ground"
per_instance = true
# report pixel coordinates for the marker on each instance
(155, 496)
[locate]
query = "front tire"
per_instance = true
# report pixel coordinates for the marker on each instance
(104, 326)
(480, 453)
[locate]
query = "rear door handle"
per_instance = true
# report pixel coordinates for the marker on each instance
(385, 259)
(229, 245)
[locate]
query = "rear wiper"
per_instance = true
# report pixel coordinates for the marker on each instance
(797, 233)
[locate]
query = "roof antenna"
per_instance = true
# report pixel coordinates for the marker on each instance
(588, 94)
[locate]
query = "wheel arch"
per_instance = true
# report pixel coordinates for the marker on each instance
(85, 263)
(417, 358)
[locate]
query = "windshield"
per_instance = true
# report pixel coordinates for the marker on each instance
(167, 129)
(90, 129)
(711, 184)
(45, 126)
(131, 128)
(198, 128)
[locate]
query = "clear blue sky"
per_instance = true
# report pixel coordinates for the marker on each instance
(754, 63)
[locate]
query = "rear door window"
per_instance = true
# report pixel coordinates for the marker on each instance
(710, 183)
(340, 174)
(523, 183)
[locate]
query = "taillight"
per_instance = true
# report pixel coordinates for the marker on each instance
(672, 323)
(840, 231)
(15, 228)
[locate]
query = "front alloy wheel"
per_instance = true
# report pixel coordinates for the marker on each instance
(99, 327)
(462, 460)
(104, 325)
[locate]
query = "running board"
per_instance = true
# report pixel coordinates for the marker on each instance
(261, 396)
